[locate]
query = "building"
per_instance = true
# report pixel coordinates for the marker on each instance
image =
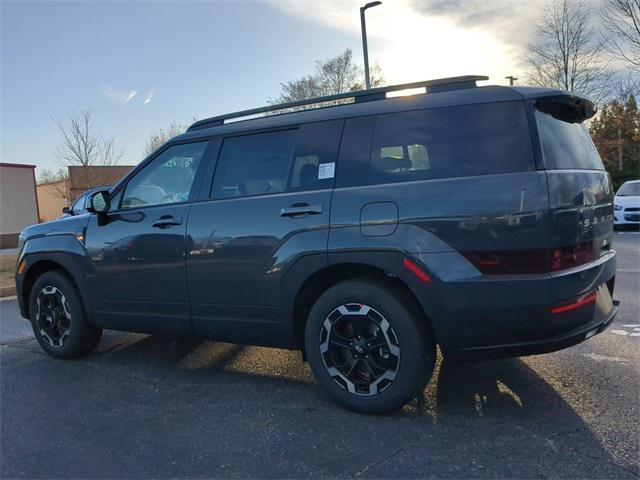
(82, 179)
(54, 196)
(18, 201)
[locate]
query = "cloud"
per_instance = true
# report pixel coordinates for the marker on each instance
(120, 96)
(419, 39)
(149, 96)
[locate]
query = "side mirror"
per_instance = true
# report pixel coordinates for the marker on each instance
(66, 210)
(99, 202)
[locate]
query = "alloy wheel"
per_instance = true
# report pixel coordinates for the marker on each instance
(53, 316)
(359, 349)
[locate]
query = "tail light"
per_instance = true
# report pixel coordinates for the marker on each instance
(575, 304)
(516, 262)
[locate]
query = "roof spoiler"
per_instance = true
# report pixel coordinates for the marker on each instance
(568, 108)
(359, 96)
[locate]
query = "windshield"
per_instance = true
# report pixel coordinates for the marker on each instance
(629, 190)
(566, 145)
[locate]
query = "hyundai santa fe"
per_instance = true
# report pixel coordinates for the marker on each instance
(361, 229)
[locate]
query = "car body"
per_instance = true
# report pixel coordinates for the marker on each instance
(459, 206)
(627, 205)
(79, 205)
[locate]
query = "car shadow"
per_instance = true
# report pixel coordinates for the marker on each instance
(198, 408)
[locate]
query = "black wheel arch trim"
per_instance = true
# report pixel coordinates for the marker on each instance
(387, 262)
(63, 251)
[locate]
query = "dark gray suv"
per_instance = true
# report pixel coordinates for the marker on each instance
(363, 230)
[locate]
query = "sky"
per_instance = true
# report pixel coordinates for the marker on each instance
(140, 65)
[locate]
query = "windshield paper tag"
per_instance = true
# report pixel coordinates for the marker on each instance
(326, 170)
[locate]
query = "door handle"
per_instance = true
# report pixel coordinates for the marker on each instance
(301, 209)
(166, 221)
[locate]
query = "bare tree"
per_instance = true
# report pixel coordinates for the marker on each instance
(568, 54)
(81, 146)
(335, 75)
(621, 20)
(160, 137)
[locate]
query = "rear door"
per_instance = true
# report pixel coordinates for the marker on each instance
(268, 206)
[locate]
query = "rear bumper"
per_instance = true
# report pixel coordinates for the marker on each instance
(541, 346)
(513, 315)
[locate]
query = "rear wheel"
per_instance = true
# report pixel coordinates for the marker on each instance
(58, 318)
(368, 348)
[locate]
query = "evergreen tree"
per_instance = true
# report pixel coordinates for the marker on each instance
(616, 134)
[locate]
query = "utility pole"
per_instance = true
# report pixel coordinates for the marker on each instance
(511, 79)
(620, 164)
(363, 26)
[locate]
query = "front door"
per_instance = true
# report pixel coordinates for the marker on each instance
(269, 205)
(137, 277)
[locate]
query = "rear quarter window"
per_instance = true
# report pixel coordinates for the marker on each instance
(566, 145)
(451, 142)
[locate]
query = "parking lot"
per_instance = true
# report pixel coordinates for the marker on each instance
(153, 406)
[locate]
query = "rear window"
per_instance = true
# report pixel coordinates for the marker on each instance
(566, 145)
(451, 142)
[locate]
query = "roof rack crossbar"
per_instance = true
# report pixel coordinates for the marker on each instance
(359, 96)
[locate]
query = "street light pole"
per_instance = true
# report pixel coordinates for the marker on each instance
(363, 26)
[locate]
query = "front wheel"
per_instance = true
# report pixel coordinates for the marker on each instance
(58, 318)
(368, 347)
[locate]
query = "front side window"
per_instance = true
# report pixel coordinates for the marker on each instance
(451, 142)
(167, 179)
(78, 205)
(276, 162)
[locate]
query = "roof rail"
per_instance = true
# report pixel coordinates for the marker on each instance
(359, 96)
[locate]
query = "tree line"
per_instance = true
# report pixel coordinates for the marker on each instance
(569, 53)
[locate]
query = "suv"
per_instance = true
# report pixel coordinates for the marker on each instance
(364, 233)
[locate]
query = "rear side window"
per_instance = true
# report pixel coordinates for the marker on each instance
(566, 145)
(276, 162)
(451, 142)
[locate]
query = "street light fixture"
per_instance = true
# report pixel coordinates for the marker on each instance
(364, 41)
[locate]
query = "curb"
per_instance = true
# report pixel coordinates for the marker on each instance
(7, 291)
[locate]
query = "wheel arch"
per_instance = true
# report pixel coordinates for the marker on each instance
(61, 253)
(387, 270)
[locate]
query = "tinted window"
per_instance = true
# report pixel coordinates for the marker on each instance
(451, 142)
(254, 164)
(566, 145)
(275, 162)
(167, 179)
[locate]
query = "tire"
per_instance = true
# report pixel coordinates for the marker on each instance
(394, 359)
(58, 318)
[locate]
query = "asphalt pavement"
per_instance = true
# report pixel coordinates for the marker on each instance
(154, 406)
